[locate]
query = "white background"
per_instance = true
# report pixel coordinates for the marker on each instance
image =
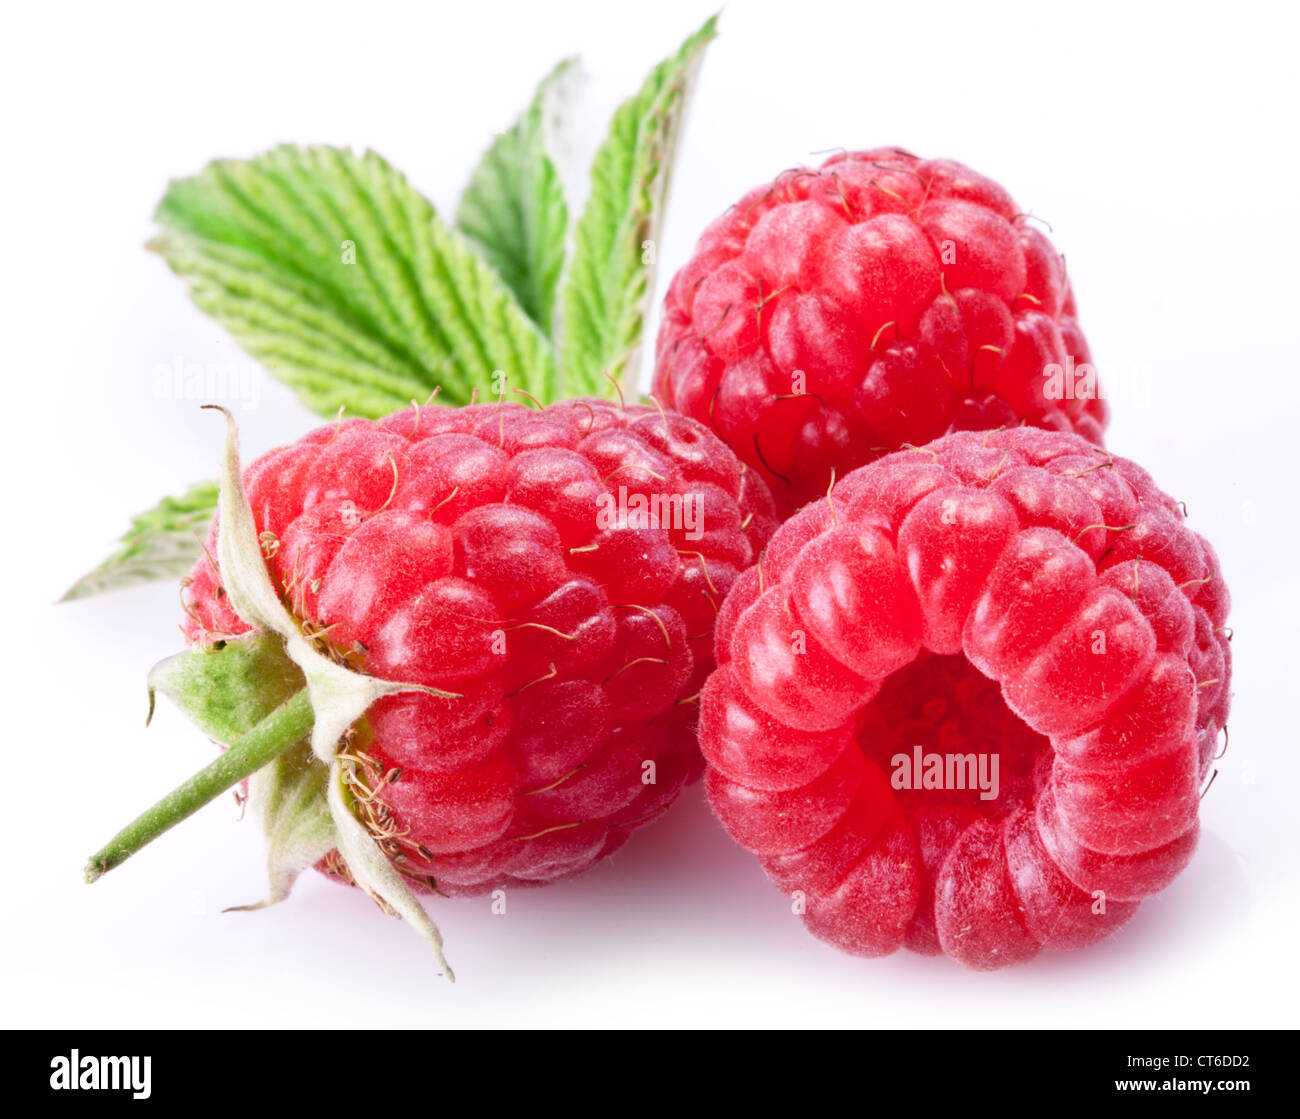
(1158, 142)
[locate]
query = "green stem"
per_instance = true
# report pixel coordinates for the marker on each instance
(289, 723)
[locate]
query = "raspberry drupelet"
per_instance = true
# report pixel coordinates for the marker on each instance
(478, 550)
(1020, 595)
(835, 315)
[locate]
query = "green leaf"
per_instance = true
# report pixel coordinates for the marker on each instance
(611, 274)
(330, 269)
(513, 209)
(162, 543)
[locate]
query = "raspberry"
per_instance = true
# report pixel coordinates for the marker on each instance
(1016, 598)
(838, 314)
(466, 549)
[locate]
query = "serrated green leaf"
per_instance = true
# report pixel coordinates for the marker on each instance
(514, 210)
(612, 271)
(162, 543)
(330, 269)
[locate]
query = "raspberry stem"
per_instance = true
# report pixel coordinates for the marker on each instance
(289, 723)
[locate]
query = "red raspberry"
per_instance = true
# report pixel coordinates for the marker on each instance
(1016, 595)
(836, 315)
(480, 550)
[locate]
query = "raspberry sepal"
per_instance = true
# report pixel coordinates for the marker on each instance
(227, 688)
(332, 700)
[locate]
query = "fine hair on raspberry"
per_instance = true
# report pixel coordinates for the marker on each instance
(837, 314)
(1019, 597)
(483, 551)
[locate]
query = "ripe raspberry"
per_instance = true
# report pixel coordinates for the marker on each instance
(479, 550)
(835, 315)
(1016, 595)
